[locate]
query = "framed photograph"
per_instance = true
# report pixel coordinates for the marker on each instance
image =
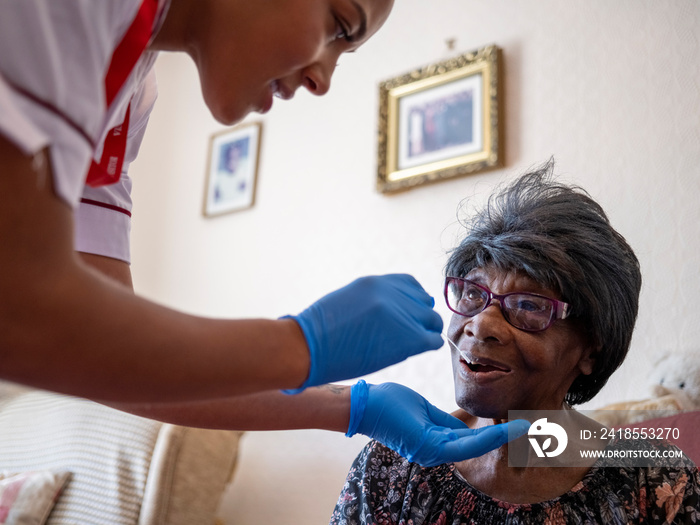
(232, 169)
(440, 121)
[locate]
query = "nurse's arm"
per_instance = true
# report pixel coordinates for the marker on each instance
(326, 407)
(65, 327)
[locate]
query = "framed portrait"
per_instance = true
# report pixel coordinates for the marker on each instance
(440, 121)
(232, 169)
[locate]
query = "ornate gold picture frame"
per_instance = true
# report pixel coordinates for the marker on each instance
(440, 121)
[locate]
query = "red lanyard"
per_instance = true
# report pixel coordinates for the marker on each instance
(124, 58)
(109, 170)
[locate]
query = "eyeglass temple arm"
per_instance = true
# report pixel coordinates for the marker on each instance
(563, 310)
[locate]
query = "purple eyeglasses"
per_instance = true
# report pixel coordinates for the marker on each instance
(526, 311)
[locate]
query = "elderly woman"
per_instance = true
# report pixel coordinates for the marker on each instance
(544, 296)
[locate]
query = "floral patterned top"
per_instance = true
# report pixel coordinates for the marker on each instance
(383, 488)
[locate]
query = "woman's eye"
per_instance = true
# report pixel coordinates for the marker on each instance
(472, 294)
(529, 306)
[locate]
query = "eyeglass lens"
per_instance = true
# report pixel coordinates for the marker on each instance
(522, 310)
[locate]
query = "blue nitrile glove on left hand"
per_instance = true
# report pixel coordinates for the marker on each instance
(368, 325)
(407, 423)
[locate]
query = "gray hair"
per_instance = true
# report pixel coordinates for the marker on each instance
(559, 236)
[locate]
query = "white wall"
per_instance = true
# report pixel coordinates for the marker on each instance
(610, 88)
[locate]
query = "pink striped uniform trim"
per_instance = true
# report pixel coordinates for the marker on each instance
(107, 206)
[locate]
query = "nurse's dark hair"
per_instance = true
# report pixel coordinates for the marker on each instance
(559, 236)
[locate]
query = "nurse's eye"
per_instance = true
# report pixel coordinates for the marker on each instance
(342, 32)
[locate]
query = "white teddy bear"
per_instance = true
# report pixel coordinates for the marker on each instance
(675, 386)
(678, 376)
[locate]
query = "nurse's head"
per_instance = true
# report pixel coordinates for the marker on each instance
(568, 287)
(249, 51)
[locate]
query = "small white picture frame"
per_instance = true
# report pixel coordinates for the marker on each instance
(232, 170)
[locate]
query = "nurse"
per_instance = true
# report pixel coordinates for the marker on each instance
(76, 89)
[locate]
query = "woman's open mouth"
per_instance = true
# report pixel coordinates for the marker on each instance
(481, 368)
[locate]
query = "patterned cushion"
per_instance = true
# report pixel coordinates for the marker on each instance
(27, 498)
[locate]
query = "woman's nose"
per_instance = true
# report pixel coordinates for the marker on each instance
(488, 325)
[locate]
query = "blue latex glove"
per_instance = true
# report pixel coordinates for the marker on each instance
(369, 324)
(404, 421)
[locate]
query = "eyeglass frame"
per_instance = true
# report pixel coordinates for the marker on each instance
(560, 309)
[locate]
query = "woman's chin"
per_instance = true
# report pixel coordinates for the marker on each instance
(482, 410)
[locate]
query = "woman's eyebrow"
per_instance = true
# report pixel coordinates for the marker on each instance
(360, 33)
(477, 277)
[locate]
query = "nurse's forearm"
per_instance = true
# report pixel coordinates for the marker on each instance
(85, 336)
(326, 408)
(66, 328)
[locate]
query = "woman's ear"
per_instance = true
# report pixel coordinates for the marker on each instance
(587, 362)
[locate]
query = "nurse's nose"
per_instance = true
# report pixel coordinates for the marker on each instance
(317, 76)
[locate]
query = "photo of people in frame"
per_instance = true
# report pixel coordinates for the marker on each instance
(231, 181)
(441, 122)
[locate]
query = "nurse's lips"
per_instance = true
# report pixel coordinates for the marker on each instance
(276, 89)
(281, 90)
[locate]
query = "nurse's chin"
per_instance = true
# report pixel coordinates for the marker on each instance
(229, 113)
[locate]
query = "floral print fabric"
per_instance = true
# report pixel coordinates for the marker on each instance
(383, 488)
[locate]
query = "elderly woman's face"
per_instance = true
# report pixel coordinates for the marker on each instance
(499, 367)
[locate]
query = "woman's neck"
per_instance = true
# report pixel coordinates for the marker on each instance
(492, 475)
